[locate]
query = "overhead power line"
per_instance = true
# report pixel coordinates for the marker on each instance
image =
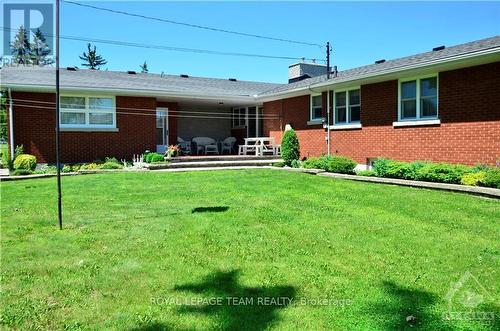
(191, 25)
(172, 48)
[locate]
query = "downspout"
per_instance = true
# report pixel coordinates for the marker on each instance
(11, 125)
(328, 120)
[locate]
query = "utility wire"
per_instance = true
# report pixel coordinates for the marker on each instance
(48, 108)
(172, 48)
(193, 25)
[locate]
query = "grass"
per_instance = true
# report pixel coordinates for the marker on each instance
(138, 248)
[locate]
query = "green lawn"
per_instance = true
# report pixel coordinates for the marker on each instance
(295, 251)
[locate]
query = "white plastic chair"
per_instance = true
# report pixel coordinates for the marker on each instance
(228, 145)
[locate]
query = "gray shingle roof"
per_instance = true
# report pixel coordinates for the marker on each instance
(168, 84)
(356, 73)
(171, 85)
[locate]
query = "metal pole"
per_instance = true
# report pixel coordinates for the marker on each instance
(328, 120)
(327, 60)
(58, 131)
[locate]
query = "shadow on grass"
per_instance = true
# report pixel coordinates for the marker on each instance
(250, 308)
(217, 209)
(407, 308)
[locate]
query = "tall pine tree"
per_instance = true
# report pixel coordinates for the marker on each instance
(20, 47)
(144, 68)
(92, 59)
(40, 50)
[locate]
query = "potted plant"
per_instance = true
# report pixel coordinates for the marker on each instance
(173, 151)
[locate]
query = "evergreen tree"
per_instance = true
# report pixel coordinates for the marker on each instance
(92, 59)
(20, 47)
(144, 68)
(40, 50)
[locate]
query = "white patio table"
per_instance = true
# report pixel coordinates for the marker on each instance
(260, 144)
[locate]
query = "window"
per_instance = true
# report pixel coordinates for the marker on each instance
(347, 107)
(418, 99)
(239, 117)
(316, 107)
(88, 112)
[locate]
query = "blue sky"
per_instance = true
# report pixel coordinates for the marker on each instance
(360, 33)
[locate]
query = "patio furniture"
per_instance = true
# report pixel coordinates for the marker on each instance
(228, 145)
(201, 142)
(185, 146)
(259, 145)
(211, 149)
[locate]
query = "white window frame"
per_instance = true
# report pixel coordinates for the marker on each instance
(311, 110)
(348, 123)
(237, 111)
(87, 112)
(418, 118)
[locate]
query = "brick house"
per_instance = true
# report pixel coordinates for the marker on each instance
(442, 105)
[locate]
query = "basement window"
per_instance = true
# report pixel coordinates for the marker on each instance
(88, 112)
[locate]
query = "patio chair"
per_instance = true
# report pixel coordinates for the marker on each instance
(185, 146)
(201, 142)
(228, 145)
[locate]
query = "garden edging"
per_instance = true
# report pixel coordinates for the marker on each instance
(484, 191)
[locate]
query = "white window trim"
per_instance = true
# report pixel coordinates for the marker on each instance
(239, 126)
(431, 120)
(349, 124)
(315, 120)
(87, 112)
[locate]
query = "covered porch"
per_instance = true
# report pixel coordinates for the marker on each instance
(211, 127)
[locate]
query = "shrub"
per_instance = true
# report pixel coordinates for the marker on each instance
(473, 179)
(366, 173)
(279, 164)
(111, 160)
(46, 169)
(290, 148)
(381, 166)
(492, 178)
(18, 151)
(153, 157)
(442, 172)
(339, 164)
(25, 161)
(110, 165)
(296, 164)
(21, 172)
(89, 166)
(6, 161)
(66, 168)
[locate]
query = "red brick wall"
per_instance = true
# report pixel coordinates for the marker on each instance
(35, 129)
(468, 108)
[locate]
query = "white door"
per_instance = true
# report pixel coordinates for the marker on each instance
(161, 130)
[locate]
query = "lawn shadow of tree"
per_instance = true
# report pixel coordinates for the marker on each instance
(252, 315)
(216, 209)
(408, 308)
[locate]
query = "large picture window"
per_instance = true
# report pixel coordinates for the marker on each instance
(88, 112)
(347, 107)
(418, 99)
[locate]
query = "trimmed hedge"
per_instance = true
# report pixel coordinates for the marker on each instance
(25, 161)
(338, 164)
(438, 172)
(153, 157)
(290, 148)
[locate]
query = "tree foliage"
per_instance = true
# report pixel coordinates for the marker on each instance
(144, 68)
(92, 60)
(20, 47)
(40, 51)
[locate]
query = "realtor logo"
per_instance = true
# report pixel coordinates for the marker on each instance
(32, 15)
(464, 300)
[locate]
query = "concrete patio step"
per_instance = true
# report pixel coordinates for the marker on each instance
(205, 158)
(217, 163)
